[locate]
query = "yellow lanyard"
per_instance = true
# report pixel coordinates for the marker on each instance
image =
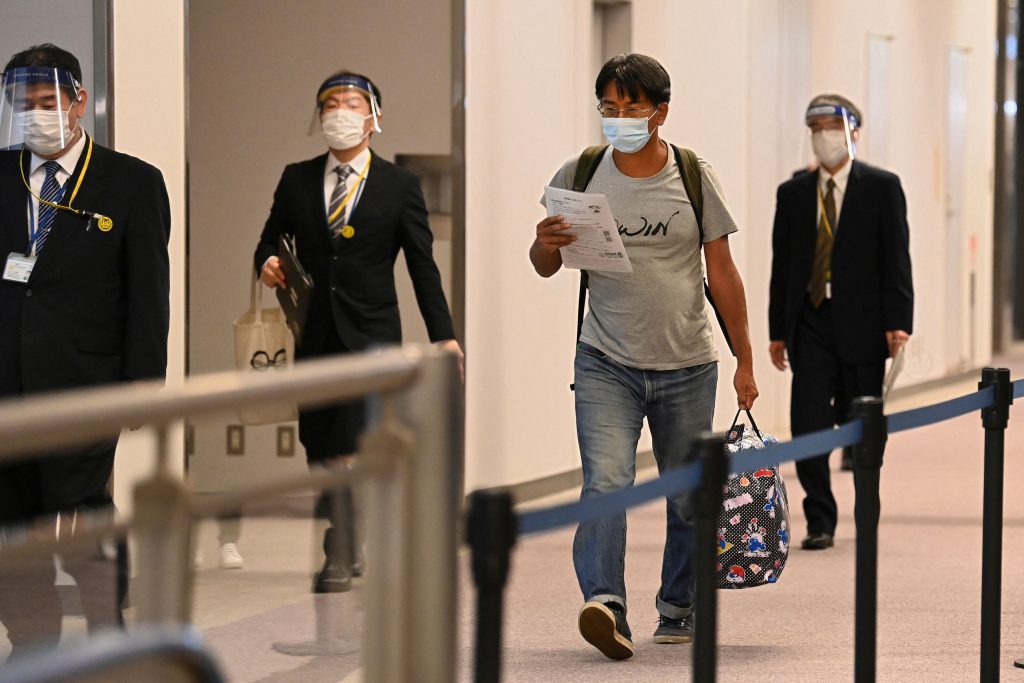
(355, 186)
(74, 193)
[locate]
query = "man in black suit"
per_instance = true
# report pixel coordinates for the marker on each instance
(83, 302)
(349, 213)
(841, 297)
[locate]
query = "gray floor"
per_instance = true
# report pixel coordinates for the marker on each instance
(263, 625)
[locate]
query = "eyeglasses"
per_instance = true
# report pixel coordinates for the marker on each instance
(609, 112)
(262, 361)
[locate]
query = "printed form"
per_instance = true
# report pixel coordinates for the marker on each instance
(598, 245)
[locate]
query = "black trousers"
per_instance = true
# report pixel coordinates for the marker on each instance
(331, 431)
(824, 386)
(70, 484)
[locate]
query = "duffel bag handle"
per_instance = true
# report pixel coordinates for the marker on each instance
(750, 418)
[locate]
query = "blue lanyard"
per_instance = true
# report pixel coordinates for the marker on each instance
(33, 217)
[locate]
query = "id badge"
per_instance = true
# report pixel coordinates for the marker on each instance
(19, 267)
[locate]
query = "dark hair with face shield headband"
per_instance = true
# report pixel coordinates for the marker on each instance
(50, 56)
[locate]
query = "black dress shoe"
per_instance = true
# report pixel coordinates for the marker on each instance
(817, 542)
(332, 578)
(359, 566)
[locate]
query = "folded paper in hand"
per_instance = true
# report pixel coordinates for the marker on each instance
(295, 296)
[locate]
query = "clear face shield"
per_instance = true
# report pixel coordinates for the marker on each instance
(830, 136)
(34, 109)
(343, 104)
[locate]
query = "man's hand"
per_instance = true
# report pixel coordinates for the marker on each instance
(550, 235)
(777, 350)
(746, 388)
(453, 346)
(272, 275)
(896, 339)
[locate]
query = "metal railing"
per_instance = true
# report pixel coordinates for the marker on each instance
(411, 464)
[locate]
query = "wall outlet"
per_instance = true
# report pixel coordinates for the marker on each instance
(285, 441)
(236, 440)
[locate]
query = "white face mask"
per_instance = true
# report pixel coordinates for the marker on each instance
(343, 128)
(830, 147)
(45, 132)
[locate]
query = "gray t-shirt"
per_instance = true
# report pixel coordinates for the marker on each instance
(655, 317)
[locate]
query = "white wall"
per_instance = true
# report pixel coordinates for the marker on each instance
(149, 122)
(742, 75)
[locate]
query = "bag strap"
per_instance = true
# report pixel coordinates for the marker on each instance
(256, 300)
(689, 170)
(586, 166)
(750, 418)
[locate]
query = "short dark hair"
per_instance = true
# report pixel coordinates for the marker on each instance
(48, 55)
(635, 75)
(344, 72)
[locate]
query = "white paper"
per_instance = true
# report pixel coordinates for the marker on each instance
(894, 371)
(598, 245)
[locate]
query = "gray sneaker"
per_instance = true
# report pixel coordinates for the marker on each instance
(604, 626)
(674, 630)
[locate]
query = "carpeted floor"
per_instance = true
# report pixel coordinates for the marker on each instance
(263, 625)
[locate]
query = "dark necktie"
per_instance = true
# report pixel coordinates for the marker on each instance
(821, 269)
(51, 192)
(337, 197)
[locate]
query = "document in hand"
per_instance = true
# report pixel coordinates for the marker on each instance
(598, 245)
(894, 371)
(295, 296)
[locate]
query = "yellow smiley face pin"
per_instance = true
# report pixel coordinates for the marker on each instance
(348, 231)
(105, 224)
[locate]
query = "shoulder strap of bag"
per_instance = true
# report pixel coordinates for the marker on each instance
(585, 168)
(256, 300)
(689, 170)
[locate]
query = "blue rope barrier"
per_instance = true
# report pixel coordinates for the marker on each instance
(591, 509)
(800, 448)
(940, 412)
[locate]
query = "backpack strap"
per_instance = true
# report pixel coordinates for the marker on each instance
(689, 170)
(585, 169)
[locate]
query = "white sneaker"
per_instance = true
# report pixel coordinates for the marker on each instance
(230, 558)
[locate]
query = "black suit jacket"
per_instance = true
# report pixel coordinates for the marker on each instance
(95, 309)
(354, 279)
(872, 290)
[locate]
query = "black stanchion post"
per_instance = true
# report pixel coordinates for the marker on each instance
(867, 468)
(994, 419)
(710, 449)
(491, 532)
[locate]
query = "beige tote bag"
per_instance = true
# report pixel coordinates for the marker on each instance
(263, 343)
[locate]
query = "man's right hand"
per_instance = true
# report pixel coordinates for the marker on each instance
(550, 235)
(272, 275)
(777, 350)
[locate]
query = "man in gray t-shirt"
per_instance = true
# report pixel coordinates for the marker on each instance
(646, 348)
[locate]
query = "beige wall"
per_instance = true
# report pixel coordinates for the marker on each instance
(254, 67)
(149, 122)
(742, 75)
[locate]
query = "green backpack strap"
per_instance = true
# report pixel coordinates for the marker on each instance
(585, 168)
(689, 169)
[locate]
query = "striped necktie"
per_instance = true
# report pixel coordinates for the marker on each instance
(51, 192)
(821, 268)
(337, 197)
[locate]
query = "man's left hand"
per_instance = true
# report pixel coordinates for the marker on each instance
(896, 340)
(746, 387)
(453, 346)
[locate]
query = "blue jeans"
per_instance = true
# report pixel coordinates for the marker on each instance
(611, 403)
